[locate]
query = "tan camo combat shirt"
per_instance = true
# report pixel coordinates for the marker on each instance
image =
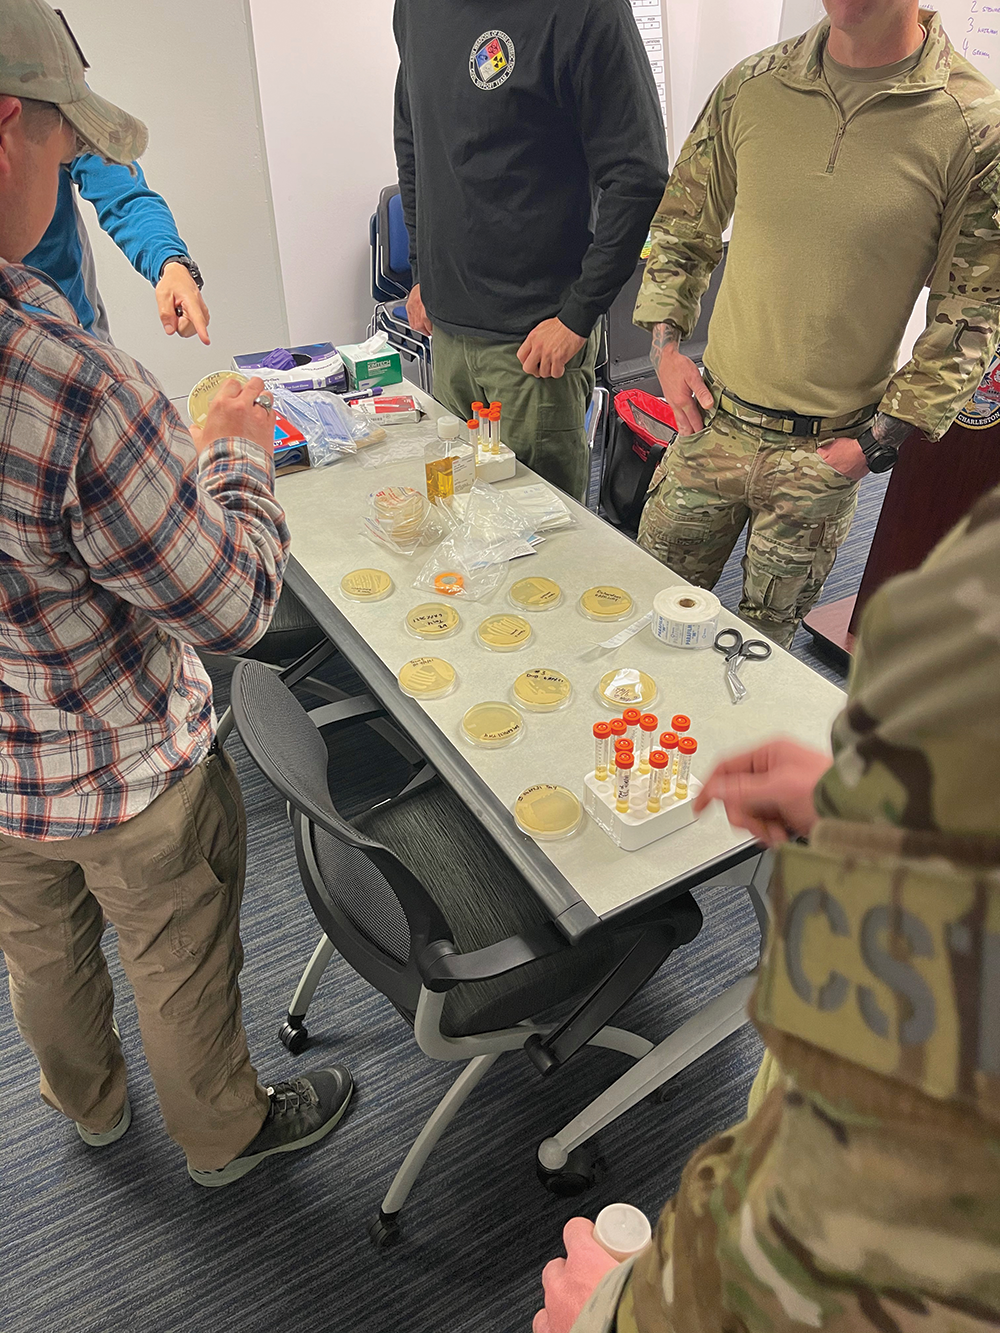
(837, 225)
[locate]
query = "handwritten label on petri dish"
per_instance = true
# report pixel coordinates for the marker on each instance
(492, 724)
(433, 620)
(536, 594)
(366, 585)
(627, 687)
(606, 603)
(542, 689)
(426, 678)
(504, 633)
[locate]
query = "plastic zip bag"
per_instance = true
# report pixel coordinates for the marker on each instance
(541, 507)
(330, 428)
(402, 519)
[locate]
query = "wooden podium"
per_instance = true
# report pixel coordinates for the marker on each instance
(932, 487)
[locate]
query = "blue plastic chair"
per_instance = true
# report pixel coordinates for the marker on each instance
(392, 279)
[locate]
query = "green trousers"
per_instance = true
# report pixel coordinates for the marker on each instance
(799, 508)
(542, 420)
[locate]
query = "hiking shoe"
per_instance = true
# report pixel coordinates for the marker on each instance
(111, 1135)
(301, 1112)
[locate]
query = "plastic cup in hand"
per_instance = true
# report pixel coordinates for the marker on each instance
(622, 1230)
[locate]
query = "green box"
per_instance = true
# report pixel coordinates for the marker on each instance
(368, 372)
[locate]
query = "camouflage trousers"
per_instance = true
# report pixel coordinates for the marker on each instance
(873, 1210)
(799, 509)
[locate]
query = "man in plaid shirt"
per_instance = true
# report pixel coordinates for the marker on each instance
(123, 544)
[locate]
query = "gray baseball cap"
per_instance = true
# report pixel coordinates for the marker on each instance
(41, 59)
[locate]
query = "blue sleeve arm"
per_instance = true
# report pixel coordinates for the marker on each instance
(135, 217)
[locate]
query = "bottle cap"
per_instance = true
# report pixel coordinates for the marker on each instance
(495, 403)
(623, 743)
(658, 759)
(687, 745)
(679, 722)
(649, 722)
(631, 716)
(476, 407)
(495, 413)
(448, 428)
(366, 585)
(483, 413)
(601, 730)
(472, 423)
(624, 758)
(622, 1230)
(449, 583)
(426, 678)
(618, 726)
(668, 740)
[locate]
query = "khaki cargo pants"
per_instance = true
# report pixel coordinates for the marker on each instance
(542, 421)
(171, 882)
(799, 509)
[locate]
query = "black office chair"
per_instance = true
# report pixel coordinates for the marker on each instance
(428, 909)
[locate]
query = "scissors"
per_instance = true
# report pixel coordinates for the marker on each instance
(738, 651)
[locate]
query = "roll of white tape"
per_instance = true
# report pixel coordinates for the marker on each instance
(686, 617)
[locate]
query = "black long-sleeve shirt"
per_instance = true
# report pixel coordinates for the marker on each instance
(510, 116)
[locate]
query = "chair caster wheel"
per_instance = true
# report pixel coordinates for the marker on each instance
(295, 1038)
(584, 1168)
(384, 1231)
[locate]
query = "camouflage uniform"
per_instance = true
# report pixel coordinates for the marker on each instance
(709, 484)
(792, 335)
(864, 1194)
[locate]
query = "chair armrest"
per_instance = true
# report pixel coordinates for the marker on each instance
(441, 966)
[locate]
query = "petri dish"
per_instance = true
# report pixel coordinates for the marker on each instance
(433, 620)
(535, 594)
(547, 812)
(542, 690)
(503, 633)
(200, 397)
(606, 603)
(626, 687)
(426, 678)
(367, 585)
(399, 513)
(492, 725)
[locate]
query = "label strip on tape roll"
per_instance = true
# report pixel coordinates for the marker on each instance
(686, 617)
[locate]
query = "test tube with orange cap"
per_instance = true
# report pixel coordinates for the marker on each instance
(472, 432)
(686, 747)
(484, 429)
(647, 725)
(659, 764)
(631, 717)
(668, 742)
(495, 427)
(680, 723)
(618, 730)
(624, 761)
(602, 744)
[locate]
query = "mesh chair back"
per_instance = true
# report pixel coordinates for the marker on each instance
(350, 880)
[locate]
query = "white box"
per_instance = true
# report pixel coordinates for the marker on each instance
(496, 467)
(638, 828)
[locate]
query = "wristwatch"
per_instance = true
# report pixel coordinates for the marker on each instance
(187, 263)
(879, 457)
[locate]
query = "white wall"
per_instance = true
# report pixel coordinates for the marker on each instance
(326, 83)
(186, 68)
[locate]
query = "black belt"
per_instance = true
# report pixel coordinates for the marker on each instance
(787, 423)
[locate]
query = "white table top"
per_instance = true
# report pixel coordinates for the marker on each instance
(324, 509)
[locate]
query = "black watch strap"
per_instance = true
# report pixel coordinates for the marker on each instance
(879, 457)
(187, 263)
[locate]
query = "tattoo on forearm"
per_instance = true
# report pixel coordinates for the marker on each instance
(664, 335)
(890, 430)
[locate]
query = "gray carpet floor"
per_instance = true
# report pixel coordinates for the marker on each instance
(120, 1241)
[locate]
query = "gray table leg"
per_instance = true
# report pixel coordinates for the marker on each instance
(719, 1019)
